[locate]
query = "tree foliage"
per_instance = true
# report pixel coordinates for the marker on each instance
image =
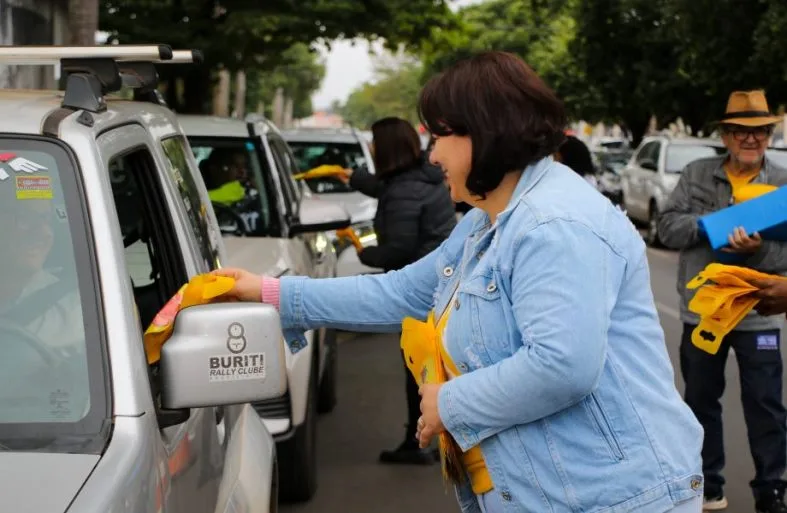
(241, 34)
(393, 93)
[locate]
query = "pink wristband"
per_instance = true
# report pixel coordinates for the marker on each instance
(270, 291)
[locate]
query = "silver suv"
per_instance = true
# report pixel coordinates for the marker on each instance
(104, 217)
(346, 147)
(248, 170)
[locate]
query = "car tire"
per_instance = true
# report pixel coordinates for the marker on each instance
(298, 455)
(327, 397)
(652, 234)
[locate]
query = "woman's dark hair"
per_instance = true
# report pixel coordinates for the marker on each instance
(511, 116)
(576, 155)
(396, 145)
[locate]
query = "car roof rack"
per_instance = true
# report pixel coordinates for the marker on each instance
(91, 72)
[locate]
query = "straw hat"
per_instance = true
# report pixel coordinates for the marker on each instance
(749, 108)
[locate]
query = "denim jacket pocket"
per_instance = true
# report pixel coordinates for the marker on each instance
(601, 421)
(485, 310)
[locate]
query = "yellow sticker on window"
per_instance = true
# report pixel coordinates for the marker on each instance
(33, 187)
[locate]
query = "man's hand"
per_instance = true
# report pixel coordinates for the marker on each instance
(740, 242)
(429, 424)
(772, 296)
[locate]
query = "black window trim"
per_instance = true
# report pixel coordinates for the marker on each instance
(97, 424)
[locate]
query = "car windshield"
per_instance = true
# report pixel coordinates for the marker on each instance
(53, 396)
(681, 155)
(237, 181)
(313, 154)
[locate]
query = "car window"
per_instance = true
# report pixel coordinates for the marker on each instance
(196, 209)
(778, 157)
(53, 374)
(681, 155)
(239, 183)
(309, 155)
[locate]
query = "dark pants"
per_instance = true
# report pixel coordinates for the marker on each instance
(760, 365)
(413, 403)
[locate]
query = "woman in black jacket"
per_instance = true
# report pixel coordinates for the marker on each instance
(414, 215)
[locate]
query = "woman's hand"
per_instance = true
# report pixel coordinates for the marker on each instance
(345, 175)
(248, 286)
(429, 424)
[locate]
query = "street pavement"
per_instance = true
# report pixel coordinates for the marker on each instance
(371, 413)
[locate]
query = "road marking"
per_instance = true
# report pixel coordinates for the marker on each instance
(668, 310)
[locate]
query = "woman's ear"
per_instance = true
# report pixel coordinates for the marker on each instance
(557, 157)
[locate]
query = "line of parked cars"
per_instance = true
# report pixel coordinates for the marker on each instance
(641, 180)
(108, 207)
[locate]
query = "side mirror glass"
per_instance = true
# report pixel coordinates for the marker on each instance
(222, 354)
(317, 215)
(648, 164)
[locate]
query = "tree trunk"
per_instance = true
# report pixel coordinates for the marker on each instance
(240, 95)
(221, 95)
(82, 22)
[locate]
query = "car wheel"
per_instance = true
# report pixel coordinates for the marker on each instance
(652, 235)
(298, 455)
(326, 401)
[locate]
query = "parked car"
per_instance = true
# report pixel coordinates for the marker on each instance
(609, 166)
(654, 170)
(271, 206)
(104, 218)
(346, 147)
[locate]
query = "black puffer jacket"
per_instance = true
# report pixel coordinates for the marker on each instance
(414, 216)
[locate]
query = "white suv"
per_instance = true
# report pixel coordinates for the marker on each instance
(248, 170)
(346, 147)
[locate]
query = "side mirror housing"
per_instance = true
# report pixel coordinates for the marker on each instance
(318, 215)
(222, 354)
(649, 164)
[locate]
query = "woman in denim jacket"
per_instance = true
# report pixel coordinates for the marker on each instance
(563, 386)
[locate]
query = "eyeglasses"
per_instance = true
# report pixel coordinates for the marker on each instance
(741, 134)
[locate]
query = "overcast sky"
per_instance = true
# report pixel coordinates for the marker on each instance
(349, 66)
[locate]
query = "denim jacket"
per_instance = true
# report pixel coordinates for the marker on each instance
(566, 382)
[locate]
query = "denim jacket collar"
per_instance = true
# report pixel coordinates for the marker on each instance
(530, 177)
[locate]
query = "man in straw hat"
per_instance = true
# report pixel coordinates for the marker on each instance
(705, 186)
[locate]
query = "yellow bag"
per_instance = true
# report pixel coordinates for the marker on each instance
(320, 172)
(723, 304)
(422, 355)
(201, 289)
(349, 234)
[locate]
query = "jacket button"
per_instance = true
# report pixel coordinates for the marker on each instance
(695, 484)
(448, 272)
(491, 287)
(462, 367)
(456, 304)
(506, 496)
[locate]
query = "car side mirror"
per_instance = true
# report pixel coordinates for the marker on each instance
(222, 354)
(648, 164)
(318, 215)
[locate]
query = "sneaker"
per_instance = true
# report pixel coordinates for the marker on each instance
(408, 453)
(714, 503)
(772, 502)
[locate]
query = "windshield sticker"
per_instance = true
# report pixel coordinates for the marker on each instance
(33, 187)
(17, 164)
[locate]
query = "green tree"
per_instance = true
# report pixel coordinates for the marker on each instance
(393, 93)
(299, 75)
(243, 35)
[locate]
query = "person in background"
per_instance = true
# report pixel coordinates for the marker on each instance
(705, 186)
(560, 396)
(576, 155)
(414, 216)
